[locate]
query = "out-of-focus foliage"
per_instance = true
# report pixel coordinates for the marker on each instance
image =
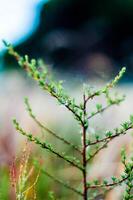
(92, 37)
(4, 183)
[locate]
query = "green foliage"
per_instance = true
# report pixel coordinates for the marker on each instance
(4, 184)
(79, 111)
(51, 196)
(21, 176)
(128, 175)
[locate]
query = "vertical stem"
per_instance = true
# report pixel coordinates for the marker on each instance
(84, 154)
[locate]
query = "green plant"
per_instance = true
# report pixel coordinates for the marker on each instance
(21, 176)
(4, 184)
(95, 143)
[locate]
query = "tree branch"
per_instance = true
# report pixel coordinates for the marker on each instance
(97, 151)
(31, 69)
(29, 109)
(109, 138)
(84, 127)
(108, 86)
(47, 146)
(62, 182)
(108, 184)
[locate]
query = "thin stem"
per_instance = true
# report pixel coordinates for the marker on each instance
(84, 155)
(109, 138)
(42, 126)
(62, 182)
(91, 96)
(26, 66)
(100, 111)
(97, 151)
(108, 86)
(105, 108)
(108, 184)
(47, 146)
(70, 109)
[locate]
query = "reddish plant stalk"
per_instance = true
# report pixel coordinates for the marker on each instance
(84, 155)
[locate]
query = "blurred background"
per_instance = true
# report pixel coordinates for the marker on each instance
(80, 41)
(88, 37)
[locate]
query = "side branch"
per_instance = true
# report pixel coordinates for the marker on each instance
(29, 109)
(91, 156)
(99, 111)
(108, 86)
(61, 182)
(112, 136)
(47, 146)
(108, 184)
(116, 101)
(68, 106)
(53, 88)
